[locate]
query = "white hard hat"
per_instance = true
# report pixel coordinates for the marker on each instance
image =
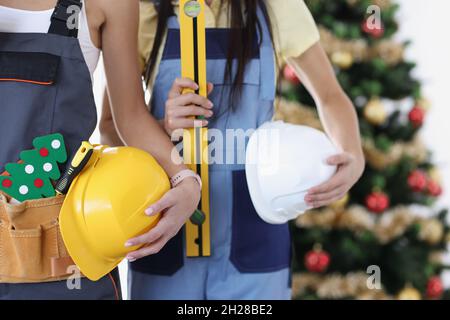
(283, 162)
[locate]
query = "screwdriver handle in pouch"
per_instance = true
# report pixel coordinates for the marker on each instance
(77, 164)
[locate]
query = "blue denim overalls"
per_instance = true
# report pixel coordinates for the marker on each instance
(250, 258)
(45, 87)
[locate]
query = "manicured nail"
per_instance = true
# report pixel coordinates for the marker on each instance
(128, 244)
(149, 211)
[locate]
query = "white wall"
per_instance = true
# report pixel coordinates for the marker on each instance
(425, 23)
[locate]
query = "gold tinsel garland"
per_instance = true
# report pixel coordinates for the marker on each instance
(296, 113)
(391, 52)
(336, 286)
(385, 228)
(381, 159)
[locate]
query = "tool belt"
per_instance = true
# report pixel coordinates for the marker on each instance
(31, 246)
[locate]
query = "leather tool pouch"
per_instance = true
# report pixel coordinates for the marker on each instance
(31, 246)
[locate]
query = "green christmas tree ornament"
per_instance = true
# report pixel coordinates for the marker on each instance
(32, 177)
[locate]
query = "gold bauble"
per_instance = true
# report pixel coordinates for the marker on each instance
(341, 203)
(431, 231)
(375, 112)
(409, 293)
(342, 59)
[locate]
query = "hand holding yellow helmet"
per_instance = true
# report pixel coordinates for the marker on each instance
(105, 207)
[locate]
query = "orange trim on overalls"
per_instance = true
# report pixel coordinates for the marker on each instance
(28, 81)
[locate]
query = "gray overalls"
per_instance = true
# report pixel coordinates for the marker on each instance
(45, 87)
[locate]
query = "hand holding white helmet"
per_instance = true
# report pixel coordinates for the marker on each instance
(283, 162)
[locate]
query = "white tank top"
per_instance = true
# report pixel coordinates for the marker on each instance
(24, 21)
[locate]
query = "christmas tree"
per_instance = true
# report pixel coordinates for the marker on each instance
(385, 239)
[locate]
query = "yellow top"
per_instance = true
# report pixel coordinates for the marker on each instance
(293, 25)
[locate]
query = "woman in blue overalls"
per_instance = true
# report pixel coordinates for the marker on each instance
(46, 87)
(250, 258)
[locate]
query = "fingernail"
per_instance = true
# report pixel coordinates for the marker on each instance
(211, 104)
(149, 211)
(210, 114)
(205, 122)
(131, 259)
(196, 86)
(128, 244)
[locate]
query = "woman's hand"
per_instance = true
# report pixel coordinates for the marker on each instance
(180, 108)
(349, 170)
(177, 206)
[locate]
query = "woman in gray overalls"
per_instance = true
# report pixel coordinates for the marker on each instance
(45, 87)
(250, 258)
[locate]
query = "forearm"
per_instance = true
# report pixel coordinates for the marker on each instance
(336, 110)
(129, 123)
(341, 123)
(135, 126)
(139, 129)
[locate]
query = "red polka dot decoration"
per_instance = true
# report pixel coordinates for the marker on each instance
(7, 183)
(38, 183)
(44, 152)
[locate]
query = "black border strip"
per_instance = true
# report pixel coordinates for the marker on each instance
(198, 132)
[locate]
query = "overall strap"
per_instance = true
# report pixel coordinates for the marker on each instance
(267, 57)
(64, 21)
(173, 22)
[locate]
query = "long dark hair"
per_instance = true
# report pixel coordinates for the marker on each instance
(244, 26)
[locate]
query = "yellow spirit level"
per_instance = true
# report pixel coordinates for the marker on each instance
(195, 140)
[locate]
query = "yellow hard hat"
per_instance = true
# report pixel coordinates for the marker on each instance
(105, 206)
